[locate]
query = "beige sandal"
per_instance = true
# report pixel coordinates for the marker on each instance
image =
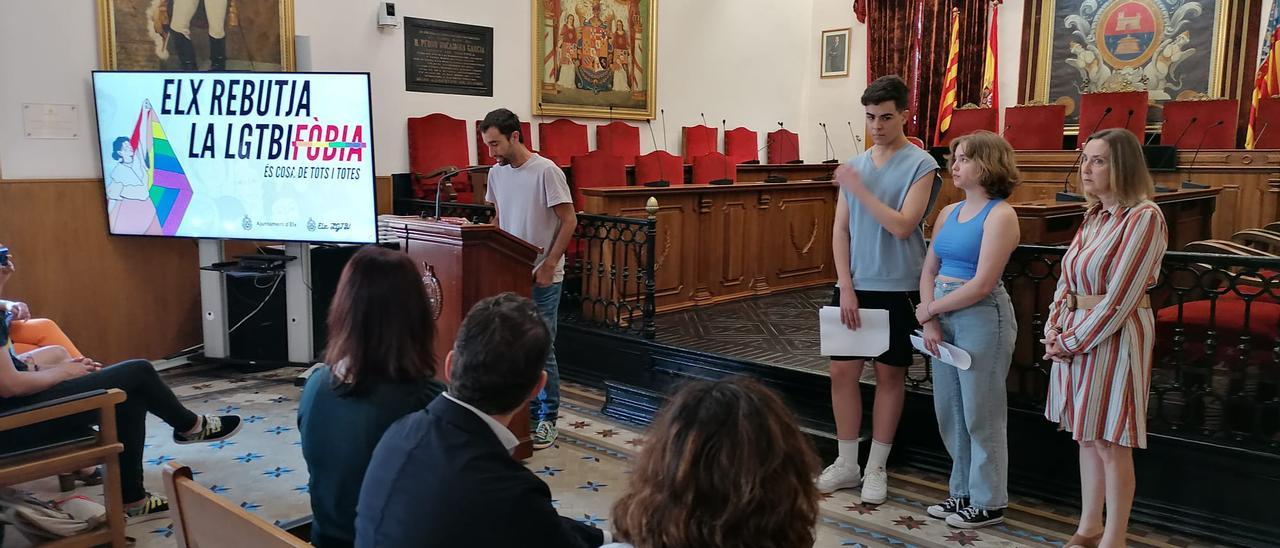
(1081, 541)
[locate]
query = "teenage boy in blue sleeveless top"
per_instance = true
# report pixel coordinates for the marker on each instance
(965, 304)
(879, 249)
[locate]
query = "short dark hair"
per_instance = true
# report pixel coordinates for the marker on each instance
(380, 322)
(501, 349)
(887, 88)
(506, 121)
(115, 148)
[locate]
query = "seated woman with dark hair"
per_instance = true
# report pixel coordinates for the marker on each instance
(380, 367)
(725, 466)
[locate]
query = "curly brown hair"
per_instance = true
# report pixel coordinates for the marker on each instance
(996, 158)
(725, 466)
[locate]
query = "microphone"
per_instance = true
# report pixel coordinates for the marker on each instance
(797, 144)
(1187, 184)
(1066, 195)
(1006, 129)
(663, 112)
(662, 178)
(829, 147)
(704, 118)
(1127, 118)
(724, 173)
(446, 173)
(1258, 139)
(610, 114)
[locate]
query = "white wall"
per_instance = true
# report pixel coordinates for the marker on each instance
(744, 61)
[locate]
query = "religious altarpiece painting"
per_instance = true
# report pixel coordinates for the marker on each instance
(594, 58)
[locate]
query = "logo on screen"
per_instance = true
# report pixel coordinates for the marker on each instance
(246, 223)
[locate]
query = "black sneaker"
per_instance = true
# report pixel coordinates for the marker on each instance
(973, 518)
(152, 507)
(944, 509)
(216, 427)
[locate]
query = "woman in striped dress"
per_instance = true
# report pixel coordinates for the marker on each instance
(1101, 331)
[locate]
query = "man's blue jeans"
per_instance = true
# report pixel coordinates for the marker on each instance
(547, 406)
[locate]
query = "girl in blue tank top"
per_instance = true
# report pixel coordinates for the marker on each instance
(962, 302)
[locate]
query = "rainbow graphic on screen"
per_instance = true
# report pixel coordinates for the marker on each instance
(167, 183)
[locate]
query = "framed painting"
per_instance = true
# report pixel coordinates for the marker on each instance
(594, 58)
(835, 53)
(1173, 49)
(254, 35)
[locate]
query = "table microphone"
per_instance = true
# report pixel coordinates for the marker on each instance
(832, 158)
(446, 173)
(759, 150)
(1066, 195)
(1127, 118)
(1258, 139)
(856, 140)
(1187, 184)
(662, 178)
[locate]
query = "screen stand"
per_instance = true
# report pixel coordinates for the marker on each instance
(213, 301)
(297, 279)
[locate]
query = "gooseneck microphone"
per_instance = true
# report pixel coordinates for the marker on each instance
(830, 151)
(662, 177)
(1187, 184)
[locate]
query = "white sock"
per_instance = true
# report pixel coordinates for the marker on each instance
(879, 454)
(848, 450)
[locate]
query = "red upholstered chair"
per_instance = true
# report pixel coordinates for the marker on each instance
(1034, 127)
(482, 150)
(1214, 126)
(659, 165)
(784, 147)
(915, 141)
(714, 168)
(594, 170)
(1269, 118)
(1094, 116)
(740, 145)
(435, 141)
(698, 140)
(619, 139)
(561, 140)
(968, 120)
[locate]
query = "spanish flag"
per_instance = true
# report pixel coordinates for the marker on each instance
(948, 104)
(991, 66)
(1267, 82)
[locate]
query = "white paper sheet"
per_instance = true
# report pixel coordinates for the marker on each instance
(947, 352)
(871, 339)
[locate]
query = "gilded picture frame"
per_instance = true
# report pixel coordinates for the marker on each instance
(256, 35)
(594, 58)
(833, 53)
(1174, 49)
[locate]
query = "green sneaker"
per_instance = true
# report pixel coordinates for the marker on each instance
(152, 507)
(544, 435)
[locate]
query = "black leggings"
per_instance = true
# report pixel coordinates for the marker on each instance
(146, 393)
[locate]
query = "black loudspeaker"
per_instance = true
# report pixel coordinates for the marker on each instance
(262, 337)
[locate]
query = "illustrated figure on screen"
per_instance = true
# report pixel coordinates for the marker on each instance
(215, 11)
(129, 207)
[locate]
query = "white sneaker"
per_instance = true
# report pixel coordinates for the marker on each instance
(840, 475)
(875, 486)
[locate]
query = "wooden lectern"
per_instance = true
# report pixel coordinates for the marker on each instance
(466, 263)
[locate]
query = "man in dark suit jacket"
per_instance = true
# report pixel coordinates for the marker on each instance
(444, 476)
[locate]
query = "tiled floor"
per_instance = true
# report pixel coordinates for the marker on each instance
(261, 469)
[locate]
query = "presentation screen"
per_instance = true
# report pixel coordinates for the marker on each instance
(237, 155)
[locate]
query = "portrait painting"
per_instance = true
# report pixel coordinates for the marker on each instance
(594, 58)
(196, 35)
(835, 53)
(1172, 49)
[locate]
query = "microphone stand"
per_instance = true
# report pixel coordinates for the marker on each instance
(1066, 195)
(1187, 184)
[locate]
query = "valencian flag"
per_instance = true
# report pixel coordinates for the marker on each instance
(1267, 82)
(991, 66)
(167, 183)
(948, 104)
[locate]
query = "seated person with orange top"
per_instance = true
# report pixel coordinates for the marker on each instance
(29, 333)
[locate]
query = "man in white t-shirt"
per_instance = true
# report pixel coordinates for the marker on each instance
(533, 203)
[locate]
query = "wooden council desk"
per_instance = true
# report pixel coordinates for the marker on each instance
(723, 243)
